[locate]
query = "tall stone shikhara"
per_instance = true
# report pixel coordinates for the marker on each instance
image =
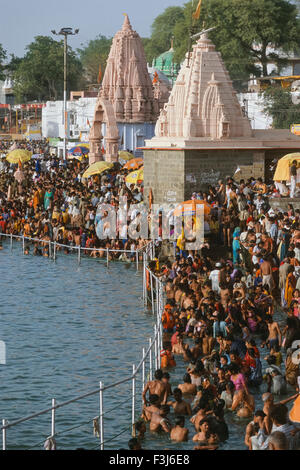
(202, 135)
(203, 103)
(126, 83)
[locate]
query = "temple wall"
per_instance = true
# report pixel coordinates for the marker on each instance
(174, 175)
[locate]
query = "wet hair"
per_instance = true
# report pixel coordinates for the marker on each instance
(166, 375)
(132, 443)
(187, 378)
(158, 374)
(279, 414)
(179, 420)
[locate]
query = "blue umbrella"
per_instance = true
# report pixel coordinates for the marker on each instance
(79, 151)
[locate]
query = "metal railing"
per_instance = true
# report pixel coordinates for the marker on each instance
(153, 294)
(54, 246)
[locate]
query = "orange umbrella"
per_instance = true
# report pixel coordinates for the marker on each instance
(134, 164)
(189, 208)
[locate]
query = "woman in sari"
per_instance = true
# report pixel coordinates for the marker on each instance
(290, 286)
(47, 198)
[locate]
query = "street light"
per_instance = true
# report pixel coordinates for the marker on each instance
(65, 32)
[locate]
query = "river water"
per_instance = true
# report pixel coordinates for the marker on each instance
(66, 327)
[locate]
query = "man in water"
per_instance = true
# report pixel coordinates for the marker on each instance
(156, 387)
(180, 406)
(179, 433)
(159, 421)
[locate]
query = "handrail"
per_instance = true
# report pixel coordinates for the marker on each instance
(155, 341)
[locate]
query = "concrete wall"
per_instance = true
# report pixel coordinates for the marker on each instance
(173, 175)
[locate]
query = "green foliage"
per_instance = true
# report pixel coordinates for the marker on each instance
(162, 32)
(245, 29)
(39, 75)
(2, 58)
(94, 54)
(278, 105)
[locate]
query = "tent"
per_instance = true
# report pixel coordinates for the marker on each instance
(282, 172)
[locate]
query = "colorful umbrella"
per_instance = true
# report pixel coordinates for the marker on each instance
(78, 151)
(282, 172)
(189, 208)
(124, 155)
(19, 155)
(97, 168)
(135, 176)
(134, 164)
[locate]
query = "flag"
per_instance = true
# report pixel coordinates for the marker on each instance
(99, 74)
(155, 77)
(88, 123)
(196, 14)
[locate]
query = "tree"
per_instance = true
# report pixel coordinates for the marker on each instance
(39, 76)
(2, 58)
(278, 105)
(162, 32)
(94, 55)
(248, 32)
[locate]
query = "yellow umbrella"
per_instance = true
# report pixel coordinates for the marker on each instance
(123, 155)
(282, 172)
(19, 155)
(135, 176)
(97, 168)
(134, 164)
(190, 207)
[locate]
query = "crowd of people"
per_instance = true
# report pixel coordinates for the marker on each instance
(47, 199)
(234, 322)
(226, 303)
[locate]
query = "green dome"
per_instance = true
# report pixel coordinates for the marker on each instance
(165, 64)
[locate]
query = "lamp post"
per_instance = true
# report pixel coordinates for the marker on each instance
(65, 32)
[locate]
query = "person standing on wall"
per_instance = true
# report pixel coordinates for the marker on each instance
(293, 178)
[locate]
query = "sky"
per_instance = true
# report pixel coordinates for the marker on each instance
(22, 20)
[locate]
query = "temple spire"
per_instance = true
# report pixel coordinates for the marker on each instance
(126, 25)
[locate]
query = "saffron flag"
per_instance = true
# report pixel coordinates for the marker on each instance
(99, 74)
(196, 14)
(155, 77)
(88, 123)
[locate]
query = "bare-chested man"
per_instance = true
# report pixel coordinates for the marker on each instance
(187, 388)
(156, 387)
(180, 406)
(179, 433)
(267, 274)
(274, 339)
(159, 421)
(153, 407)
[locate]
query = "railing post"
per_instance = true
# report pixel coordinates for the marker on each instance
(4, 435)
(133, 401)
(23, 244)
(143, 370)
(137, 260)
(152, 298)
(79, 255)
(50, 253)
(53, 418)
(155, 346)
(150, 359)
(144, 280)
(107, 256)
(11, 241)
(54, 251)
(101, 418)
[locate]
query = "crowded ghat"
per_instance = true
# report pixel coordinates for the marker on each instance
(231, 316)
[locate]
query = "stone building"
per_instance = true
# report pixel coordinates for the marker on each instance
(202, 134)
(126, 102)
